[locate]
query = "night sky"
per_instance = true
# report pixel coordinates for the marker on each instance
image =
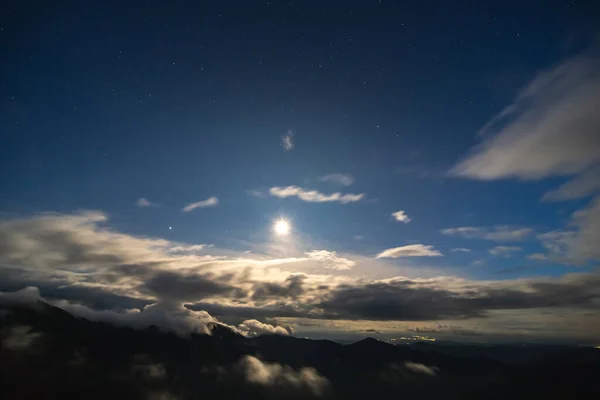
(324, 166)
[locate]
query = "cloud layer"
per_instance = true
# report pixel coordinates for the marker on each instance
(82, 266)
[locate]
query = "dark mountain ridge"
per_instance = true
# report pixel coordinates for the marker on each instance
(48, 353)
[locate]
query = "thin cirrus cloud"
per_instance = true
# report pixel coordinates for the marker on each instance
(461, 250)
(577, 188)
(287, 140)
(500, 233)
(505, 251)
(313, 196)
(401, 216)
(338, 179)
(412, 250)
(143, 202)
(210, 202)
(551, 129)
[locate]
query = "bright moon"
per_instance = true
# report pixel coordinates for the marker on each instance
(281, 227)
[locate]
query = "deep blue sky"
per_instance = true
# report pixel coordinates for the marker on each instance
(104, 103)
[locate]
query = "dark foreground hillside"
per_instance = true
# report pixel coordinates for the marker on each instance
(47, 353)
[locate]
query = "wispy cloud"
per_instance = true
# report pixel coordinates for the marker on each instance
(258, 193)
(313, 196)
(553, 131)
(505, 251)
(210, 202)
(461, 250)
(143, 202)
(413, 250)
(286, 140)
(500, 233)
(579, 187)
(401, 216)
(338, 179)
(537, 257)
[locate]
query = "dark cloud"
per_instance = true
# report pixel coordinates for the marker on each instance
(292, 287)
(185, 287)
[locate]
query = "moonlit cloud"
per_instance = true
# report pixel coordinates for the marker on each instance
(421, 368)
(210, 202)
(313, 196)
(286, 140)
(92, 271)
(505, 251)
(413, 250)
(461, 250)
(579, 187)
(143, 202)
(253, 327)
(331, 260)
(579, 244)
(401, 216)
(338, 179)
(283, 380)
(551, 129)
(498, 233)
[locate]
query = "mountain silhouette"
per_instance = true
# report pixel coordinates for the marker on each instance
(48, 353)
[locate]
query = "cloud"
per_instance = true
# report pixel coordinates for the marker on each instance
(143, 202)
(338, 179)
(286, 140)
(210, 202)
(551, 129)
(537, 256)
(188, 249)
(331, 260)
(254, 327)
(150, 371)
(578, 245)
(258, 193)
(421, 368)
(500, 233)
(181, 286)
(583, 244)
(413, 250)
(284, 380)
(81, 265)
(401, 216)
(312, 196)
(19, 337)
(461, 250)
(168, 316)
(579, 187)
(505, 251)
